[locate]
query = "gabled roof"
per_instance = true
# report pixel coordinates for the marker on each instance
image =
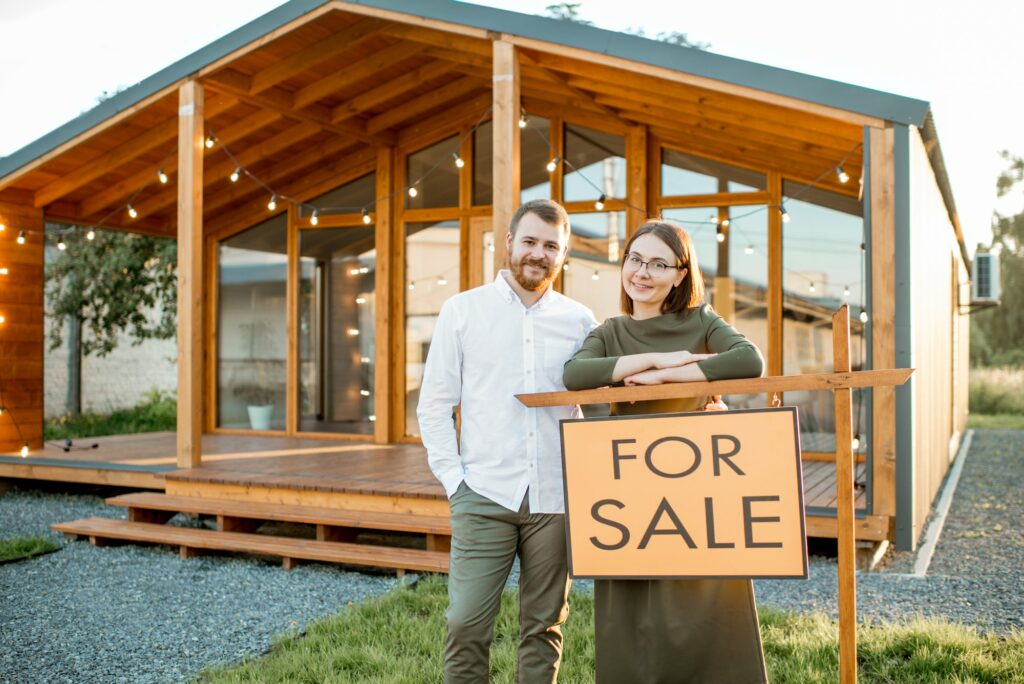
(634, 48)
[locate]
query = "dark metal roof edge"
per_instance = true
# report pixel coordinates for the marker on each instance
(930, 138)
(656, 53)
(131, 96)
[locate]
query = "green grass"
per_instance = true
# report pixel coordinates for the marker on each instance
(999, 421)
(996, 391)
(25, 547)
(158, 412)
(399, 638)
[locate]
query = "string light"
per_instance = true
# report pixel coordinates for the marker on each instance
(565, 266)
(272, 204)
(132, 212)
(235, 175)
(458, 160)
(553, 164)
(2, 319)
(21, 238)
(413, 191)
(209, 141)
(749, 249)
(24, 450)
(846, 291)
(90, 235)
(366, 217)
(3, 272)
(811, 288)
(353, 332)
(596, 276)
(161, 176)
(442, 281)
(843, 176)
(313, 220)
(599, 204)
(523, 120)
(720, 234)
(855, 444)
(360, 300)
(364, 359)
(364, 392)
(412, 286)
(1, 409)
(3, 227)
(785, 215)
(863, 316)
(60, 244)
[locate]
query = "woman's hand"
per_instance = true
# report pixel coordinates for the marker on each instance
(716, 404)
(647, 377)
(677, 358)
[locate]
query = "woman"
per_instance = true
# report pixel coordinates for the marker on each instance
(669, 630)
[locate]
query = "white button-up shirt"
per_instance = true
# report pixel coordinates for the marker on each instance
(486, 348)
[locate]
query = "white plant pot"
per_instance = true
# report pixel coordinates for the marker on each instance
(259, 416)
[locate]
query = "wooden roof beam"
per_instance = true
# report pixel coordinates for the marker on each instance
(391, 89)
(237, 84)
(440, 39)
(447, 122)
(364, 68)
(153, 138)
(442, 95)
(577, 92)
(331, 46)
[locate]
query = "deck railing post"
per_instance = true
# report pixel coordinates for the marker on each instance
(845, 502)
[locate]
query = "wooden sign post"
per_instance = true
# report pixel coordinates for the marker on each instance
(841, 382)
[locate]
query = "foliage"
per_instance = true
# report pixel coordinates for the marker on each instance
(567, 11)
(1002, 328)
(570, 11)
(997, 390)
(157, 413)
(399, 638)
(26, 547)
(109, 283)
(1000, 421)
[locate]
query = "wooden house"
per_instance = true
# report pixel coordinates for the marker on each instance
(334, 170)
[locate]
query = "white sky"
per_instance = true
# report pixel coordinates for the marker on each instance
(963, 57)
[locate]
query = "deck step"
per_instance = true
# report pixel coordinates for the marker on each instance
(375, 520)
(191, 540)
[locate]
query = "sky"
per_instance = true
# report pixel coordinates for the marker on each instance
(58, 56)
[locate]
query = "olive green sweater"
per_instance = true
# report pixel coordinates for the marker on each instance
(698, 330)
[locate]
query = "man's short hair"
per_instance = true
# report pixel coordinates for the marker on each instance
(548, 211)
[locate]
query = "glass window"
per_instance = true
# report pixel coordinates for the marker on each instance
(684, 174)
(252, 270)
(350, 198)
(534, 154)
(337, 283)
(483, 164)
(431, 277)
(600, 162)
(591, 273)
(435, 176)
(823, 268)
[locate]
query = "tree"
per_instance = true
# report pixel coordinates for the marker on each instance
(108, 284)
(570, 11)
(566, 11)
(1003, 327)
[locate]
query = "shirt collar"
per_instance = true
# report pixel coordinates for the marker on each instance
(510, 295)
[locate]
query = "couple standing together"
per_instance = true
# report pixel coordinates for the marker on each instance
(503, 471)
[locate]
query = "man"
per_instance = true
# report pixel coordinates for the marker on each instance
(503, 474)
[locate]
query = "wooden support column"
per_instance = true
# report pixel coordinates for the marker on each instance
(882, 315)
(21, 332)
(775, 341)
(190, 274)
(387, 326)
(845, 502)
(636, 178)
(291, 402)
(506, 143)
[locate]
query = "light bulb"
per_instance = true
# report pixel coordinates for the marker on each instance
(811, 288)
(599, 204)
(413, 191)
(272, 204)
(365, 393)
(235, 175)
(364, 270)
(785, 216)
(21, 238)
(353, 271)
(371, 418)
(846, 291)
(132, 212)
(412, 286)
(360, 300)
(863, 316)
(725, 223)
(565, 267)
(2, 319)
(209, 141)
(3, 227)
(364, 359)
(442, 281)
(1, 409)
(24, 450)
(458, 160)
(61, 245)
(366, 217)
(596, 276)
(855, 444)
(353, 332)
(749, 249)
(553, 164)
(3, 270)
(522, 121)
(161, 176)
(313, 220)
(720, 234)
(91, 235)
(843, 176)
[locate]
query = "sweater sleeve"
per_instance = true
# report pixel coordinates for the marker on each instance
(590, 367)
(735, 356)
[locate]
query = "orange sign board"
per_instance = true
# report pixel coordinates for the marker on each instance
(712, 494)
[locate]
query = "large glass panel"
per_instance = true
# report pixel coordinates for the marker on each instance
(252, 269)
(684, 174)
(431, 276)
(337, 283)
(599, 160)
(350, 198)
(591, 273)
(433, 173)
(823, 268)
(534, 154)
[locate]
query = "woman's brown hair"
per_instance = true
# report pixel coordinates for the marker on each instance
(687, 294)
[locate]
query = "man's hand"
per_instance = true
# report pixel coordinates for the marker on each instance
(677, 358)
(716, 404)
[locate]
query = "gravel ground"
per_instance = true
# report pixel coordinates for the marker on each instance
(139, 614)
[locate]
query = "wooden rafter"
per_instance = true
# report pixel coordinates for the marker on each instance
(439, 39)
(331, 46)
(237, 84)
(557, 78)
(353, 73)
(445, 94)
(391, 89)
(449, 121)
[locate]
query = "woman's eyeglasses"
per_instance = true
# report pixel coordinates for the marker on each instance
(655, 267)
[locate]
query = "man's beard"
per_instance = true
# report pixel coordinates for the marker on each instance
(533, 284)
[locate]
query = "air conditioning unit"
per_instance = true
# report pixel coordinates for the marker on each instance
(985, 284)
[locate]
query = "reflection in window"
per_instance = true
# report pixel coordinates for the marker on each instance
(593, 265)
(600, 162)
(431, 277)
(823, 268)
(252, 269)
(350, 198)
(336, 330)
(534, 154)
(684, 174)
(483, 164)
(441, 187)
